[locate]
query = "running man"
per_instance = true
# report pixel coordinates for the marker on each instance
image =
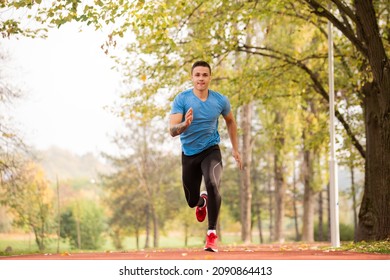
(194, 116)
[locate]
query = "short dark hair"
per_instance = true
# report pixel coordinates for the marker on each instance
(200, 63)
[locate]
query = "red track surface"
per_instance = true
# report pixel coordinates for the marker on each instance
(253, 252)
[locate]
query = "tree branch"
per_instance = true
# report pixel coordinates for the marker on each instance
(319, 10)
(345, 9)
(317, 85)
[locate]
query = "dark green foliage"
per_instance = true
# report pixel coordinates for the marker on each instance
(346, 232)
(83, 225)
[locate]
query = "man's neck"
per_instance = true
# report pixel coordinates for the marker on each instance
(201, 94)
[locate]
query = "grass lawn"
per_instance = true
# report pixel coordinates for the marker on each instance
(25, 243)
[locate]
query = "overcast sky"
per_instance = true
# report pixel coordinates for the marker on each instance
(67, 82)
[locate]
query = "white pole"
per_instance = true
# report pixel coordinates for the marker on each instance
(334, 197)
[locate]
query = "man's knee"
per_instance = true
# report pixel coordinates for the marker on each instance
(192, 204)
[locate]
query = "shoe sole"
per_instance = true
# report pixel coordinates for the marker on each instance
(211, 250)
(204, 218)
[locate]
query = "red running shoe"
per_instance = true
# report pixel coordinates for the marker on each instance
(211, 243)
(201, 212)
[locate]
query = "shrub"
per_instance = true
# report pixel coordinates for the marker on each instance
(346, 232)
(82, 223)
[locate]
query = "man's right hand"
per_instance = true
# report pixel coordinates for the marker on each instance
(189, 117)
(177, 126)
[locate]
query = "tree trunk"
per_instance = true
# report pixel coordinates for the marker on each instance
(117, 239)
(328, 203)
(280, 189)
(155, 228)
(258, 202)
(270, 206)
(147, 226)
(259, 224)
(38, 240)
(374, 215)
(78, 233)
(280, 182)
(297, 235)
(137, 238)
(246, 193)
(308, 197)
(320, 236)
(354, 204)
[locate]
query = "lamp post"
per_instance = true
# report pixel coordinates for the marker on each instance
(334, 197)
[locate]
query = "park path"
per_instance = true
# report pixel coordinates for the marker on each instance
(293, 251)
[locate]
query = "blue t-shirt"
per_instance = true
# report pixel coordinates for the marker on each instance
(203, 131)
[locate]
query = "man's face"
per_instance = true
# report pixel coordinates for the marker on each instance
(201, 78)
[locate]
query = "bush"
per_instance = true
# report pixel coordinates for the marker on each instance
(347, 232)
(82, 223)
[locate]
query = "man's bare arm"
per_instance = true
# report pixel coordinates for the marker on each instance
(177, 126)
(232, 131)
(178, 129)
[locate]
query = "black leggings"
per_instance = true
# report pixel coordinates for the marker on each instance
(209, 165)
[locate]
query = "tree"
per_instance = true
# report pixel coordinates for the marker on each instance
(140, 192)
(82, 223)
(29, 199)
(246, 192)
(10, 142)
(125, 201)
(365, 24)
